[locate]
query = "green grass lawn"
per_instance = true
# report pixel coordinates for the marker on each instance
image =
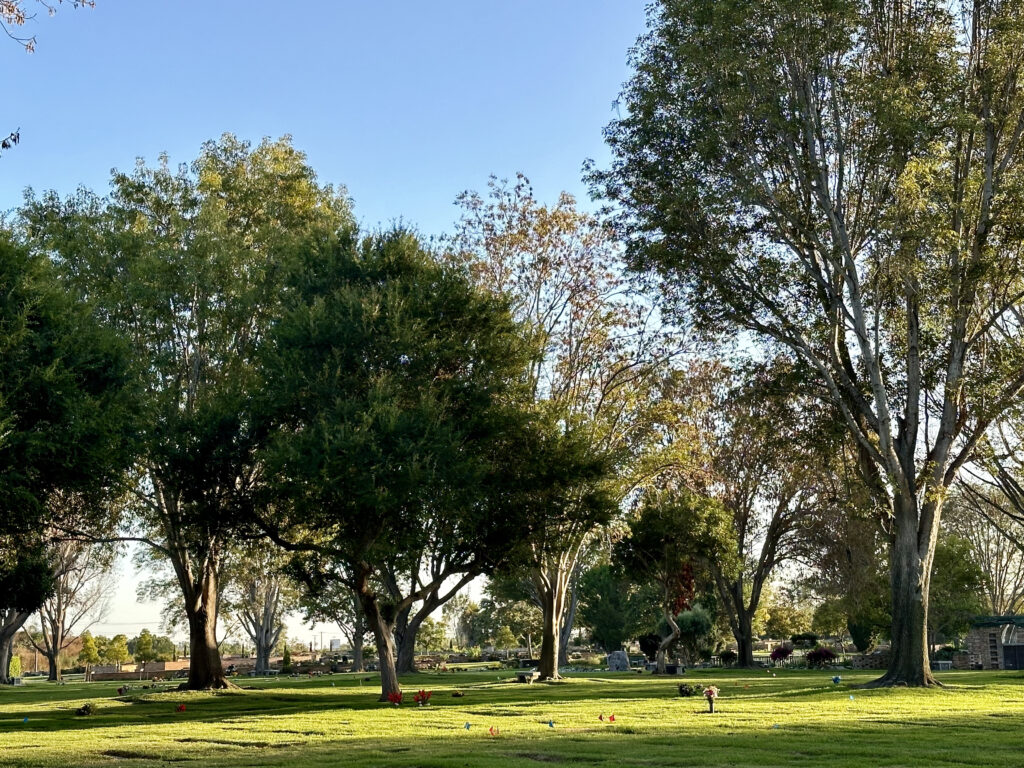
(796, 718)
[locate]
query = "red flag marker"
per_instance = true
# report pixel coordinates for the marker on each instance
(611, 719)
(601, 717)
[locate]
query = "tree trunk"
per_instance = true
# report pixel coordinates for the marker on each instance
(529, 645)
(666, 642)
(909, 580)
(407, 644)
(551, 636)
(54, 661)
(11, 621)
(568, 619)
(205, 668)
(745, 639)
(383, 634)
(357, 647)
(6, 651)
(262, 659)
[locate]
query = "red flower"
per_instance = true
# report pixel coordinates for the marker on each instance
(422, 696)
(395, 697)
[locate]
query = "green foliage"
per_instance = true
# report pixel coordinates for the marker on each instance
(394, 391)
(863, 633)
(958, 589)
(504, 639)
(116, 651)
(144, 647)
(286, 661)
(505, 603)
(614, 608)
(14, 669)
(835, 179)
(696, 626)
(785, 618)
(89, 655)
(675, 532)
(26, 578)
(431, 636)
(64, 379)
(829, 619)
(187, 264)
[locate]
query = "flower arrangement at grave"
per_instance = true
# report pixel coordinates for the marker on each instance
(711, 693)
(422, 697)
(395, 697)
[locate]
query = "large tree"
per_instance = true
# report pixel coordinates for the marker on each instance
(395, 391)
(65, 422)
(187, 263)
(260, 594)
(605, 355)
(845, 180)
(80, 597)
(675, 535)
(767, 452)
(988, 521)
(25, 582)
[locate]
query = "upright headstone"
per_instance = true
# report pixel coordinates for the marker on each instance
(618, 661)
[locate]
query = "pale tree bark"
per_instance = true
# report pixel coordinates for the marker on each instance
(381, 619)
(827, 242)
(260, 615)
(81, 590)
(991, 522)
(551, 587)
(661, 658)
(11, 621)
(408, 621)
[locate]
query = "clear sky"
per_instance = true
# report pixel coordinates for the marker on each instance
(405, 102)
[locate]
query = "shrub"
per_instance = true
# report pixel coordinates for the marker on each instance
(286, 661)
(728, 657)
(473, 653)
(804, 640)
(781, 653)
(820, 657)
(686, 690)
(14, 670)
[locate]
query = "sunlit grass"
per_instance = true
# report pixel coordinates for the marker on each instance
(796, 718)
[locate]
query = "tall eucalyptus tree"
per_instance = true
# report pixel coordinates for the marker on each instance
(845, 180)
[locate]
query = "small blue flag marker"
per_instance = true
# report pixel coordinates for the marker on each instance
(466, 726)
(25, 720)
(851, 697)
(551, 723)
(837, 679)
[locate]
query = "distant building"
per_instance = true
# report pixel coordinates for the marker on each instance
(335, 644)
(996, 642)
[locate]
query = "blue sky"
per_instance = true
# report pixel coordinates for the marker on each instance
(405, 103)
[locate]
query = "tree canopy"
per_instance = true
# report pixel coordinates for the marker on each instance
(843, 180)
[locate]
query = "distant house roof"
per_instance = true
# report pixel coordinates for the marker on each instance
(997, 621)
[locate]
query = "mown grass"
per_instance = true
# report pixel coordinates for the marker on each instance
(796, 718)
